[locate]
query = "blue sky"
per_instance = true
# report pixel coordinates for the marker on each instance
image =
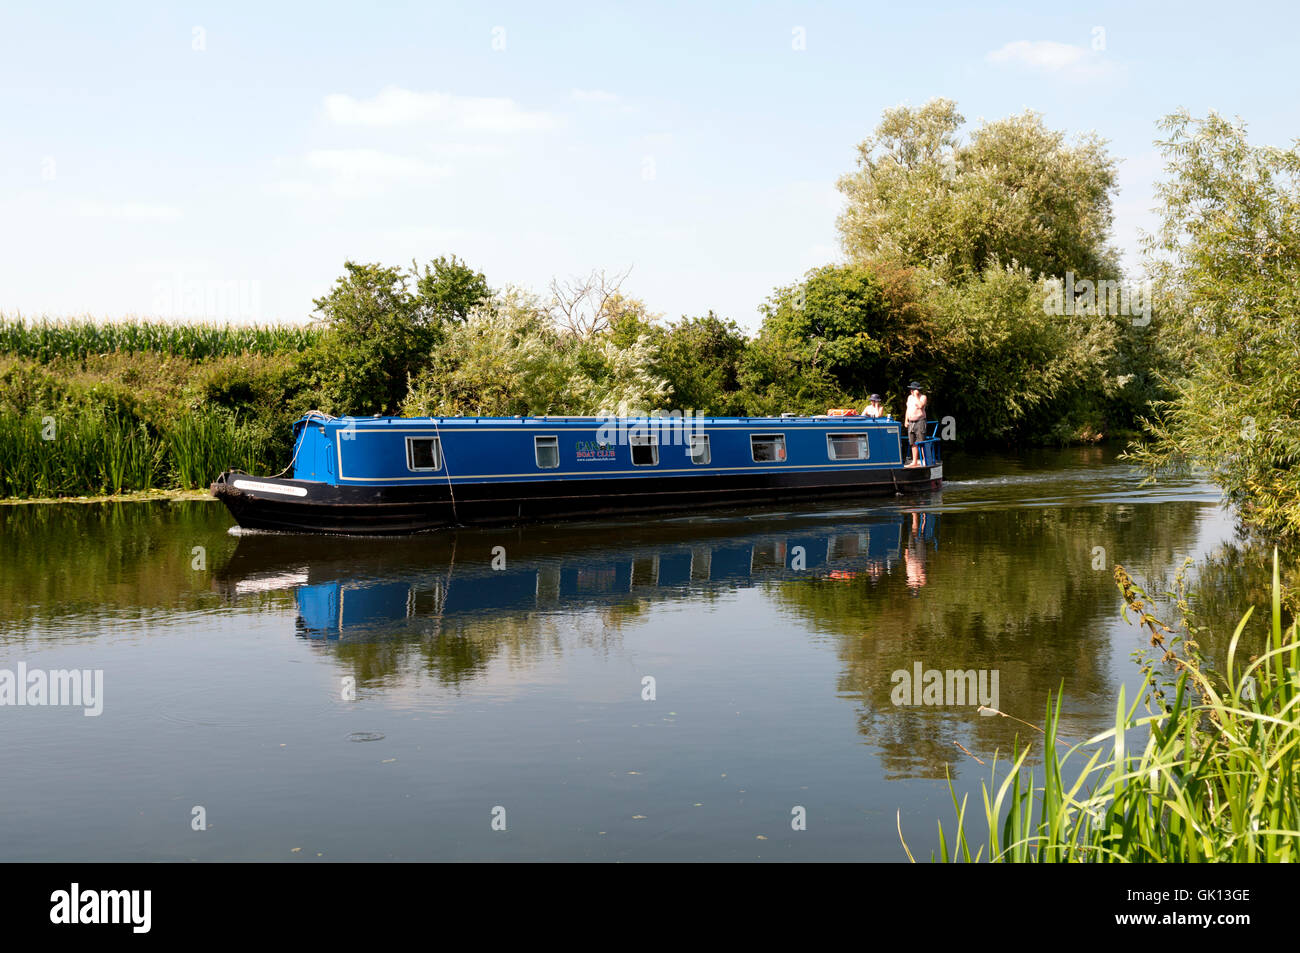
(227, 158)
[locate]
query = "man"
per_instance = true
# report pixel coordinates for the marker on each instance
(874, 409)
(915, 420)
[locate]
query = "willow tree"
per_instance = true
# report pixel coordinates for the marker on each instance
(1226, 266)
(1016, 192)
(513, 356)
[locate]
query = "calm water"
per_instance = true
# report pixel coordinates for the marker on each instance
(348, 699)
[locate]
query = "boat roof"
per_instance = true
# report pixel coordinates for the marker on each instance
(662, 419)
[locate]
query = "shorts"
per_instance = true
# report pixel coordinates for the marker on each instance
(915, 432)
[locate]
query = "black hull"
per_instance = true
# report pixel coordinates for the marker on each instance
(357, 510)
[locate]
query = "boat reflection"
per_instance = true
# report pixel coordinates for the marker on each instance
(366, 589)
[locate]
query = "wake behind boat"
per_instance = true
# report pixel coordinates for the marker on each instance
(402, 475)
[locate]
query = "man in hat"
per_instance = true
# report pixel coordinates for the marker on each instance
(915, 421)
(874, 409)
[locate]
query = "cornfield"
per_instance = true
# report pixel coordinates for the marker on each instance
(45, 340)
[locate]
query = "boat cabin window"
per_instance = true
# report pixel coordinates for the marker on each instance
(846, 446)
(645, 449)
(547, 450)
(423, 453)
(767, 447)
(699, 448)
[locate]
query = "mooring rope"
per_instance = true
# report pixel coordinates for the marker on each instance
(446, 469)
(306, 422)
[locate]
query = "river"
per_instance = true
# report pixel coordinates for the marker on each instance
(723, 686)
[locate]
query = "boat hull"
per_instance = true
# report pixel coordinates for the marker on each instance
(309, 507)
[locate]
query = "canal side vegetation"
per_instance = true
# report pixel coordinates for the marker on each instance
(1208, 772)
(975, 259)
(1225, 263)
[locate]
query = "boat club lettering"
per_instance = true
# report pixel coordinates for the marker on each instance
(594, 450)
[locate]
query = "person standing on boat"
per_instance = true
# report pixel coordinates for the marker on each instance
(874, 408)
(915, 420)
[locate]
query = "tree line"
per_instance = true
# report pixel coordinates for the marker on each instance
(977, 261)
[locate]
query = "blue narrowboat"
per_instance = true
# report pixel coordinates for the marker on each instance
(402, 475)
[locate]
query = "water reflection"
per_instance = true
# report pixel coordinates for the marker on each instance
(885, 588)
(394, 586)
(773, 637)
(454, 600)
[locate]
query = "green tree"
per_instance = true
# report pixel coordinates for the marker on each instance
(843, 332)
(701, 360)
(380, 331)
(1004, 363)
(1016, 193)
(510, 358)
(450, 289)
(1226, 266)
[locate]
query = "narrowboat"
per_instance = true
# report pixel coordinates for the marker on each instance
(392, 475)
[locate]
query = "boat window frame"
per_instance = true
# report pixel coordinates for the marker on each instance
(555, 439)
(781, 458)
(651, 440)
(437, 455)
(708, 450)
(863, 437)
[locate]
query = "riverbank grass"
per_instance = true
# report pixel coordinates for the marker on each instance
(1215, 778)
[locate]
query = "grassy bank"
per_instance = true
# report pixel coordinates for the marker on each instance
(92, 408)
(105, 409)
(96, 452)
(1211, 771)
(138, 496)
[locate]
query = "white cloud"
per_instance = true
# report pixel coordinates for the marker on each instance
(354, 173)
(128, 211)
(394, 106)
(294, 189)
(350, 173)
(472, 150)
(427, 235)
(1048, 56)
(171, 266)
(371, 162)
(656, 140)
(595, 96)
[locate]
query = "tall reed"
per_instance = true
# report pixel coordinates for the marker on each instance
(202, 445)
(1213, 774)
(97, 452)
(92, 452)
